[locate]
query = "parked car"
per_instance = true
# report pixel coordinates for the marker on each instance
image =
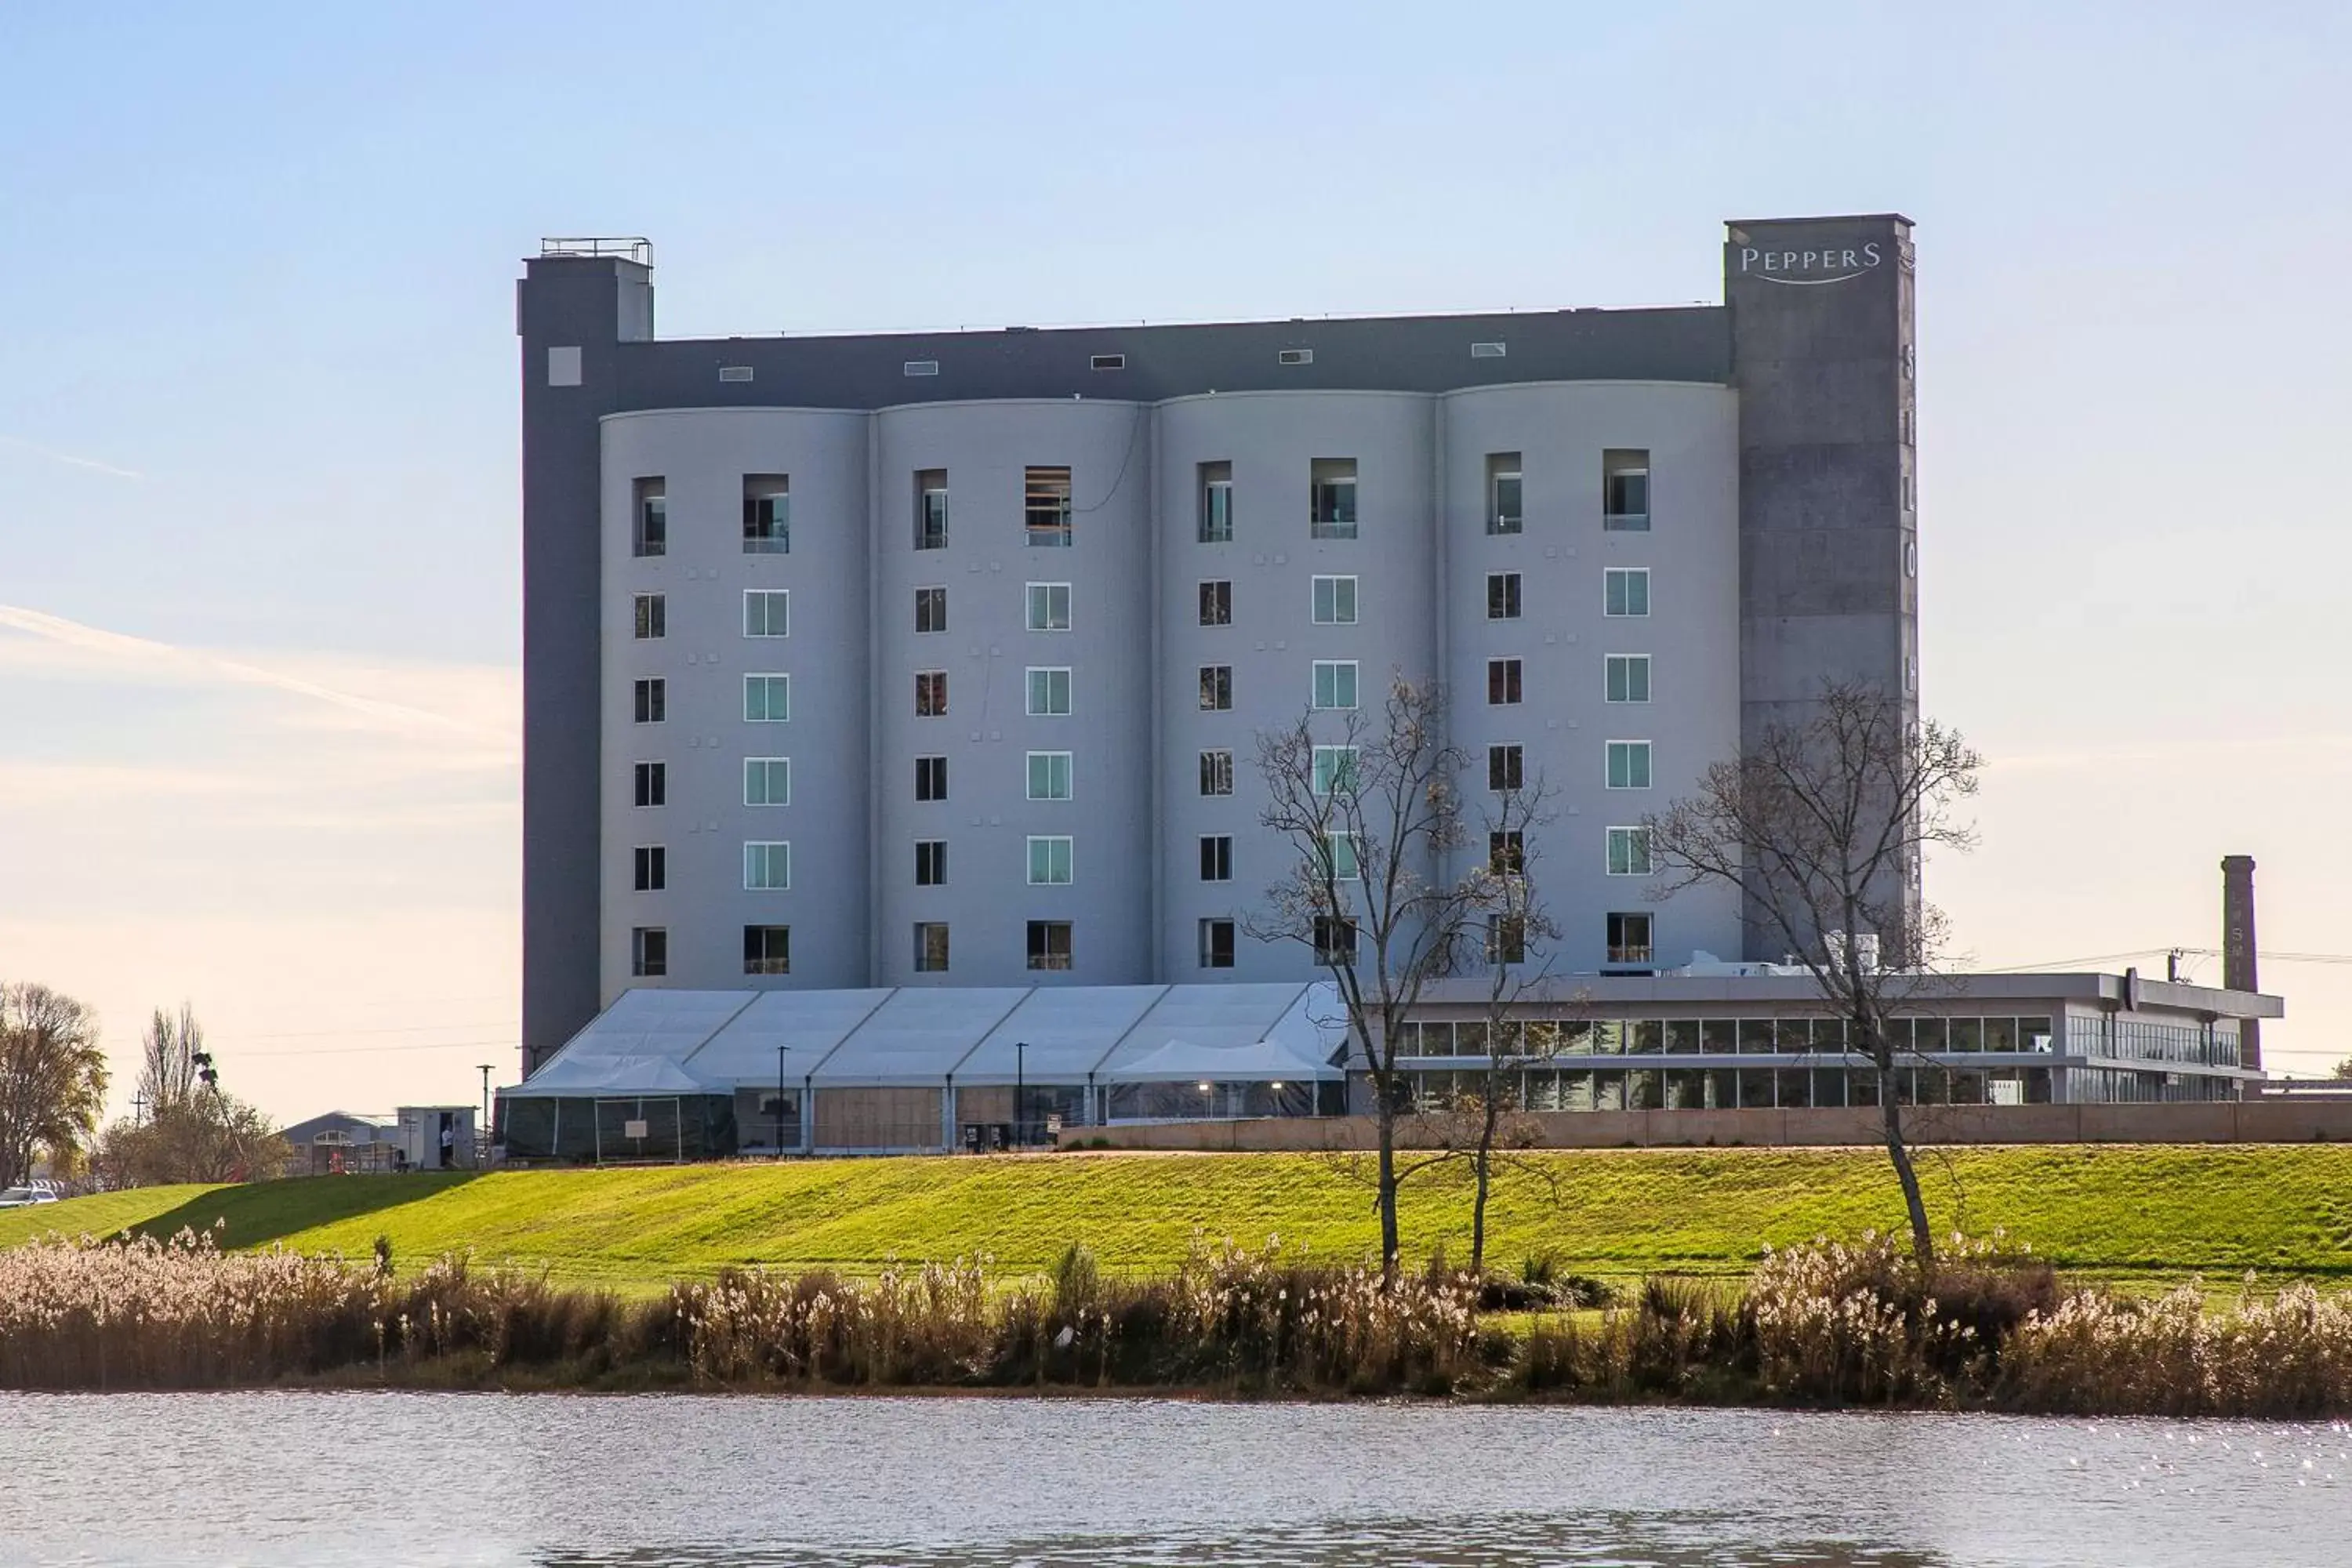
(25, 1197)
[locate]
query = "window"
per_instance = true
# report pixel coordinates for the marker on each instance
(1625, 591)
(1217, 857)
(1503, 515)
(1107, 362)
(650, 508)
(932, 947)
(767, 950)
(652, 700)
(1335, 601)
(1506, 852)
(767, 699)
(1294, 356)
(767, 781)
(1049, 693)
(1216, 687)
(1629, 939)
(1049, 606)
(1334, 768)
(1332, 486)
(1507, 938)
(1049, 861)
(1045, 506)
(1216, 944)
(1625, 491)
(652, 784)
(1502, 596)
(1340, 858)
(767, 866)
(1629, 851)
(1049, 775)
(930, 862)
(767, 611)
(1502, 682)
(930, 693)
(1216, 503)
(932, 509)
(652, 868)
(921, 367)
(649, 952)
(1629, 678)
(767, 516)
(1629, 765)
(1049, 945)
(1335, 941)
(930, 778)
(1335, 683)
(1216, 603)
(1506, 768)
(1216, 773)
(650, 617)
(930, 610)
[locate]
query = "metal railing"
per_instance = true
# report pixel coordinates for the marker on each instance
(634, 247)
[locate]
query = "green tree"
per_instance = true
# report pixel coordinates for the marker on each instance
(52, 1078)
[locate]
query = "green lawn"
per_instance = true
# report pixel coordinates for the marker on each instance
(2126, 1211)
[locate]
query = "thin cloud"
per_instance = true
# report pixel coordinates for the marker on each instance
(69, 459)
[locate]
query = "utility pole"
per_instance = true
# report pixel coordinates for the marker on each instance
(485, 1099)
(138, 1109)
(779, 1100)
(1020, 1092)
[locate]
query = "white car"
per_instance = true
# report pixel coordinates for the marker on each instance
(25, 1197)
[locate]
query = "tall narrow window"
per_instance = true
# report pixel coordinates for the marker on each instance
(648, 951)
(1217, 857)
(1049, 693)
(649, 615)
(1045, 506)
(767, 866)
(1049, 606)
(1216, 503)
(651, 699)
(1628, 938)
(767, 611)
(652, 868)
(1335, 683)
(767, 781)
(1506, 768)
(931, 947)
(767, 950)
(1502, 596)
(1334, 768)
(930, 778)
(1049, 861)
(1503, 515)
(930, 610)
(1049, 775)
(1335, 601)
(1339, 854)
(1335, 941)
(767, 699)
(1332, 493)
(930, 693)
(1625, 491)
(652, 780)
(932, 509)
(1216, 603)
(1629, 851)
(767, 514)
(1625, 591)
(1049, 945)
(1507, 938)
(1216, 687)
(1502, 682)
(649, 517)
(1216, 944)
(1628, 677)
(1506, 852)
(1216, 773)
(930, 862)
(1629, 765)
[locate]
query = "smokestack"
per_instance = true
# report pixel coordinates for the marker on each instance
(2237, 972)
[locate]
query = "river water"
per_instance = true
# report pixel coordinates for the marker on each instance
(330, 1480)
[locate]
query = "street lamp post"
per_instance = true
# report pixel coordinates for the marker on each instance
(1020, 1092)
(779, 1100)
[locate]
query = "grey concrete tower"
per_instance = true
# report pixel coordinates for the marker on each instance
(2238, 966)
(1823, 359)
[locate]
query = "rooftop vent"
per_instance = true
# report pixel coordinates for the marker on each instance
(1108, 362)
(922, 367)
(1485, 351)
(734, 372)
(1295, 357)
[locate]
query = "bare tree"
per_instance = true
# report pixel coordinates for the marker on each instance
(168, 1051)
(52, 1078)
(1820, 823)
(207, 1137)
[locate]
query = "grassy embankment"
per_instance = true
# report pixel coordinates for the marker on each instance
(2137, 1215)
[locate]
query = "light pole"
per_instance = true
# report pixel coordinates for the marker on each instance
(779, 1100)
(486, 1098)
(1020, 1092)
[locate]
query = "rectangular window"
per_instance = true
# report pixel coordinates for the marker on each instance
(1217, 857)
(1045, 506)
(1629, 939)
(930, 778)
(1335, 601)
(649, 512)
(1332, 486)
(649, 952)
(767, 611)
(652, 780)
(652, 868)
(930, 862)
(1216, 687)
(1335, 683)
(1625, 491)
(931, 947)
(1049, 693)
(767, 950)
(1629, 678)
(1625, 591)
(1503, 515)
(1507, 938)
(1502, 682)
(767, 866)
(767, 514)
(1049, 945)
(1049, 775)
(1049, 861)
(1502, 596)
(930, 693)
(930, 610)
(1049, 606)
(767, 781)
(1216, 773)
(1506, 768)
(1506, 852)
(932, 509)
(1216, 603)
(1334, 768)
(652, 701)
(1216, 944)
(1339, 854)
(1629, 851)
(767, 699)
(649, 616)
(1216, 503)
(1629, 765)
(1335, 941)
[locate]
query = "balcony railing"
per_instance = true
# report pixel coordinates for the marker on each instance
(1631, 954)
(1626, 521)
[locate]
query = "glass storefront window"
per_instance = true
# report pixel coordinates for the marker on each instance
(1755, 1037)
(1722, 1088)
(1720, 1037)
(1927, 1036)
(1643, 1092)
(1829, 1087)
(1967, 1034)
(1795, 1089)
(1647, 1037)
(1681, 1037)
(2001, 1034)
(1608, 1091)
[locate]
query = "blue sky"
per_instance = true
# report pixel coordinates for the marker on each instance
(257, 393)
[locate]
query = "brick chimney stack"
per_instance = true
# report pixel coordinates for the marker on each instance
(2238, 969)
